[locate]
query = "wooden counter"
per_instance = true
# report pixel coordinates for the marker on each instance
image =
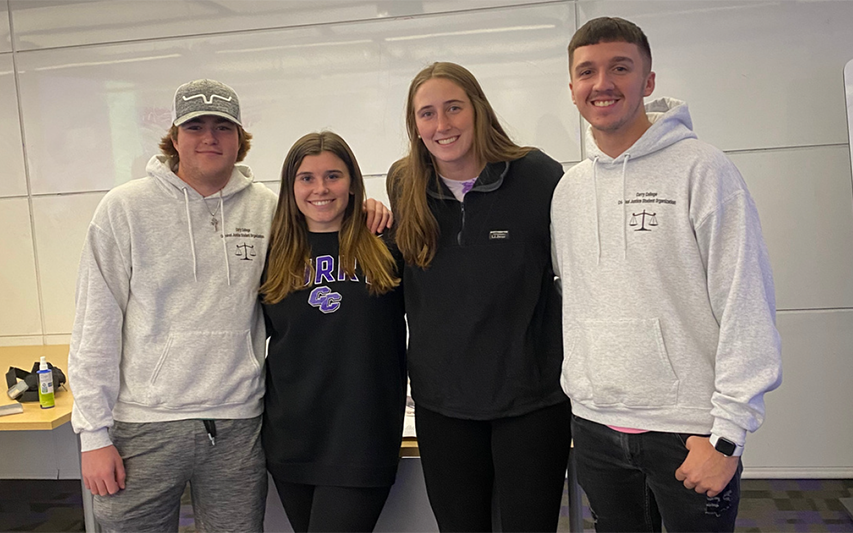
(34, 417)
(409, 447)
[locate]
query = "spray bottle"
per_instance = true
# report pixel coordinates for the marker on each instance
(45, 385)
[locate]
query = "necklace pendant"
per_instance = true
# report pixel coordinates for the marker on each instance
(215, 223)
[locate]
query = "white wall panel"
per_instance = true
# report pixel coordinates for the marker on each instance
(756, 74)
(805, 201)
(808, 423)
(61, 223)
(5, 34)
(848, 89)
(93, 115)
(19, 312)
(274, 186)
(374, 187)
(41, 24)
(13, 181)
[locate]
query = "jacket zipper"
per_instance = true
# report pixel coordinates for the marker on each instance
(459, 235)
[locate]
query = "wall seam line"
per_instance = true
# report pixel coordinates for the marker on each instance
(39, 291)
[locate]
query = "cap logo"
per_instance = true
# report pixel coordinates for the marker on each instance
(205, 99)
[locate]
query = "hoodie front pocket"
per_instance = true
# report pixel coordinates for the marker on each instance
(620, 362)
(205, 368)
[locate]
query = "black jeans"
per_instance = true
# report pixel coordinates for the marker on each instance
(630, 482)
(519, 460)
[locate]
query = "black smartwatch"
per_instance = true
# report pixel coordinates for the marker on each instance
(726, 447)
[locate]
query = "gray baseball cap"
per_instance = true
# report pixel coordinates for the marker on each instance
(205, 97)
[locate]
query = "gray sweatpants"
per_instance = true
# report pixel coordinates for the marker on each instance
(228, 481)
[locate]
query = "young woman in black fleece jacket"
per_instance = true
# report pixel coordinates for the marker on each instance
(485, 345)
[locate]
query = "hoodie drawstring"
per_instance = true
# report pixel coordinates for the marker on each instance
(190, 231)
(624, 216)
(222, 237)
(595, 209)
(624, 207)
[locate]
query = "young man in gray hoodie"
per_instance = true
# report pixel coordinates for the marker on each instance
(668, 300)
(167, 348)
(168, 344)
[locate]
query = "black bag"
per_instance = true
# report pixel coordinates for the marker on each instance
(32, 380)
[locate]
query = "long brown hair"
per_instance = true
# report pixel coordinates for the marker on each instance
(290, 253)
(416, 227)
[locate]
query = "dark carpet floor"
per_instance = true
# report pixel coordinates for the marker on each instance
(775, 505)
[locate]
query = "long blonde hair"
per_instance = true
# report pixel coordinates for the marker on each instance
(408, 179)
(290, 253)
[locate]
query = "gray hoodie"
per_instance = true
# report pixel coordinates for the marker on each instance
(168, 324)
(668, 301)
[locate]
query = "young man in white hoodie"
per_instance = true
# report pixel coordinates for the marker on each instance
(668, 300)
(168, 344)
(167, 348)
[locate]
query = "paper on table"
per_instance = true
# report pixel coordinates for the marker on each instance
(409, 421)
(11, 409)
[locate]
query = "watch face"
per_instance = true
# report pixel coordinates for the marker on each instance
(725, 446)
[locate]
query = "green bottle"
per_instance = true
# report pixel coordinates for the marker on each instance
(46, 399)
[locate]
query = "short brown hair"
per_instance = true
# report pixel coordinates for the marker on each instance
(609, 30)
(167, 145)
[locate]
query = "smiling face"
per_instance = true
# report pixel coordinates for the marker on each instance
(207, 148)
(322, 191)
(608, 82)
(444, 117)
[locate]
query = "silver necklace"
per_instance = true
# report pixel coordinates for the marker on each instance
(213, 220)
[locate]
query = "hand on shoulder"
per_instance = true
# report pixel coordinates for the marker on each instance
(379, 217)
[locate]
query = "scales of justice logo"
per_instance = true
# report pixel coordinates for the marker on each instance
(246, 252)
(646, 219)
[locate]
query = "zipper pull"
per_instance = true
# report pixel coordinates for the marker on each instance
(459, 235)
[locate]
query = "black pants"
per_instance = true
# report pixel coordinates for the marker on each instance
(330, 508)
(520, 460)
(630, 482)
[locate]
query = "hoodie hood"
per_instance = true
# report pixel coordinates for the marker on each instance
(241, 177)
(670, 123)
(159, 168)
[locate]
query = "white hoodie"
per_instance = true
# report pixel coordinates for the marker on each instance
(668, 301)
(168, 324)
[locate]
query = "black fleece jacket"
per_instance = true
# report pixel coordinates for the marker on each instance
(485, 338)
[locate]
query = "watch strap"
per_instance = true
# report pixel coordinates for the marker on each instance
(726, 447)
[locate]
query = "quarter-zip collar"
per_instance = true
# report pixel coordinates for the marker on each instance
(490, 179)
